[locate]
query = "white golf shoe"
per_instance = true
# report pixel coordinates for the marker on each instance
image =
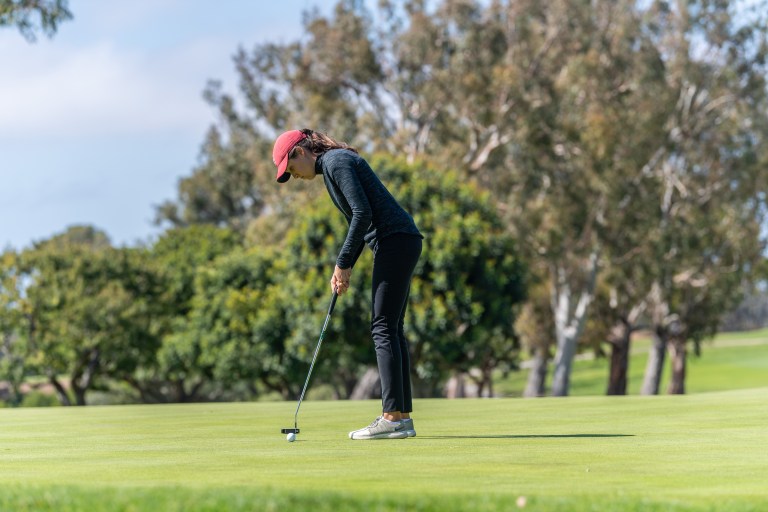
(409, 429)
(381, 429)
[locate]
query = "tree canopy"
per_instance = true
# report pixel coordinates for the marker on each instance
(610, 136)
(206, 314)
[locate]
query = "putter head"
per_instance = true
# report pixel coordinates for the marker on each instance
(289, 430)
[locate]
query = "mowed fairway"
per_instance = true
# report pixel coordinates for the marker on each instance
(699, 452)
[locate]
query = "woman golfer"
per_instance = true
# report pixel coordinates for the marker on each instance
(377, 219)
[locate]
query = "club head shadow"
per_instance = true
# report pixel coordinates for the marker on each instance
(290, 430)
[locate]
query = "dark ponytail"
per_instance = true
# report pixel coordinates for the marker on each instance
(318, 143)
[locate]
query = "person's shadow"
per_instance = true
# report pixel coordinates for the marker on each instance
(528, 436)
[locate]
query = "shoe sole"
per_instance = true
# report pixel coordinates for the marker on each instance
(385, 435)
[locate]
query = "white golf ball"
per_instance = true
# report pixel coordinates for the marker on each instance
(291, 437)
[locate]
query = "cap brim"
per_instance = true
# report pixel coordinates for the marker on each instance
(282, 174)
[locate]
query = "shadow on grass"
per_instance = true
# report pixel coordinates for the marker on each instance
(530, 436)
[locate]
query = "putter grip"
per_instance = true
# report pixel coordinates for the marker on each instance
(333, 302)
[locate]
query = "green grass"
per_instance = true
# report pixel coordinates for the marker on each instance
(703, 452)
(730, 361)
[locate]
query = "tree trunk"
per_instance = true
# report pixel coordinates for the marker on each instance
(480, 382)
(678, 353)
(478, 379)
(569, 323)
(83, 375)
(60, 391)
(486, 388)
(620, 341)
(79, 395)
(181, 393)
(652, 377)
(537, 376)
(348, 383)
(368, 386)
(561, 377)
(455, 387)
(425, 387)
(147, 395)
(193, 394)
(16, 370)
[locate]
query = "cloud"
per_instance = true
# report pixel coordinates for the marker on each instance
(98, 123)
(102, 89)
(130, 68)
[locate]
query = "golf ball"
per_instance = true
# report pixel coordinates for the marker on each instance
(291, 437)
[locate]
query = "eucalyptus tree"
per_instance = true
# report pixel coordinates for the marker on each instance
(591, 128)
(694, 153)
(520, 94)
(407, 80)
(321, 82)
(710, 177)
(223, 189)
(554, 107)
(534, 325)
(344, 78)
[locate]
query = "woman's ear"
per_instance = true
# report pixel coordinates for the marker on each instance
(304, 152)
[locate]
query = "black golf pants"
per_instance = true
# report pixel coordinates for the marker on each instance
(393, 263)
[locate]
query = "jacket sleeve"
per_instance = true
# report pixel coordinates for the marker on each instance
(345, 176)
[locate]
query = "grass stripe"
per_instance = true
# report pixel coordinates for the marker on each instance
(696, 452)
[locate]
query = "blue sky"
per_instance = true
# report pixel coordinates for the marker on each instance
(98, 124)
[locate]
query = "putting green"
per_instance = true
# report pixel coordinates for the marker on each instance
(697, 452)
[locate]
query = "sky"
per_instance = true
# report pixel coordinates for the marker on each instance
(98, 123)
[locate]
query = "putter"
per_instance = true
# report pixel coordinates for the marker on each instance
(295, 429)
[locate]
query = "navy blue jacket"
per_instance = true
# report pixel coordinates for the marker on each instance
(370, 209)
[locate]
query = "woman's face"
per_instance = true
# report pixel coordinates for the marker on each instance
(302, 165)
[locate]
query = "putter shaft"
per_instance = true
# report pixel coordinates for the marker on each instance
(314, 358)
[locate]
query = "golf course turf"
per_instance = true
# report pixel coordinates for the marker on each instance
(707, 451)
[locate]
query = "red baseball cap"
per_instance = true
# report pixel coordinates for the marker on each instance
(283, 146)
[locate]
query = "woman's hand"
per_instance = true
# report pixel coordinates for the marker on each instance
(340, 280)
